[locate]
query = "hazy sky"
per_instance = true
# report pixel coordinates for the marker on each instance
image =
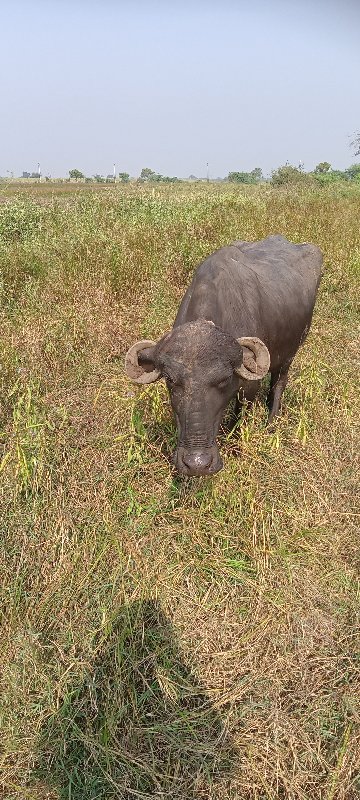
(172, 85)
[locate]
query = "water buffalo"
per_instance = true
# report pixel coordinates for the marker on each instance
(246, 312)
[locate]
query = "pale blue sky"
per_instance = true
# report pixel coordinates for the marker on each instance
(172, 85)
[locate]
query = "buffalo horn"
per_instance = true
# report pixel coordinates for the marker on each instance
(256, 358)
(133, 369)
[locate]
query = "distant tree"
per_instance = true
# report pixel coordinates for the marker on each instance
(240, 177)
(192, 178)
(168, 179)
(324, 178)
(337, 175)
(287, 174)
(257, 174)
(76, 175)
(353, 173)
(146, 173)
(26, 174)
(322, 168)
(124, 177)
(356, 144)
(149, 176)
(99, 178)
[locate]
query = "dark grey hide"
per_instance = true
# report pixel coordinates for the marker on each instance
(263, 290)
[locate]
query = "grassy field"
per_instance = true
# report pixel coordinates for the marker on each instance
(164, 637)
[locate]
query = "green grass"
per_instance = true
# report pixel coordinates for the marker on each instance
(166, 637)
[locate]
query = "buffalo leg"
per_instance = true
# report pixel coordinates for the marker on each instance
(277, 386)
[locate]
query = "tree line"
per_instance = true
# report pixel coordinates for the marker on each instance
(323, 173)
(283, 175)
(146, 174)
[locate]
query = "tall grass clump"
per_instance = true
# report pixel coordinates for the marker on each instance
(166, 637)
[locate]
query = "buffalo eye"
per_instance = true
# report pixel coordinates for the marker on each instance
(225, 382)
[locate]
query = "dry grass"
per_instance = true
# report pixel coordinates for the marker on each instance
(167, 638)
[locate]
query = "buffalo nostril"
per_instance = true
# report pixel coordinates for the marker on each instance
(198, 460)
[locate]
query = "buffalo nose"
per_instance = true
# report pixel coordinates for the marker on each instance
(198, 462)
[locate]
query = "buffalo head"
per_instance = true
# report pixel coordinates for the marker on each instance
(203, 368)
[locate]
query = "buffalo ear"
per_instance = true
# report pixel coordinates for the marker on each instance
(256, 359)
(139, 364)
